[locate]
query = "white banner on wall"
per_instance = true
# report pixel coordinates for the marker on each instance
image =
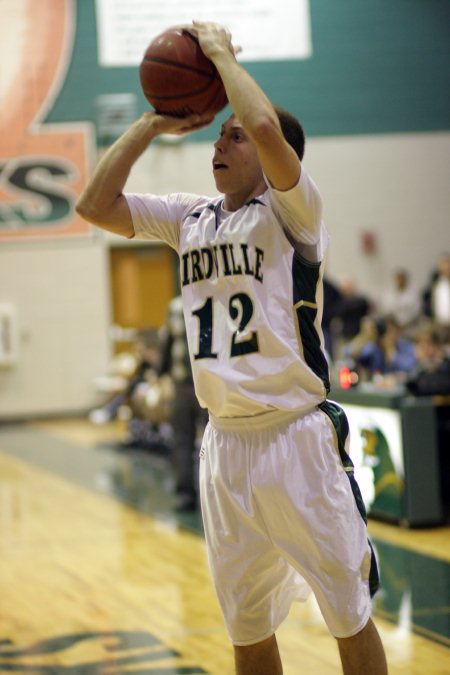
(265, 30)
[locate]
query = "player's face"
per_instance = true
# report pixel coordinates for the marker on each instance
(236, 167)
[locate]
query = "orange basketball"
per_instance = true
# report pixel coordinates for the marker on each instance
(178, 79)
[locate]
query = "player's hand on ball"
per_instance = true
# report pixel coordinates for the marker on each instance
(195, 122)
(213, 38)
(166, 124)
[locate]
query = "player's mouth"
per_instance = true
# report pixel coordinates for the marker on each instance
(219, 166)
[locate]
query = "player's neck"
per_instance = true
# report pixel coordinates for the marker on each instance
(235, 201)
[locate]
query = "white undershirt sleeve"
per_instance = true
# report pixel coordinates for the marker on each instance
(300, 213)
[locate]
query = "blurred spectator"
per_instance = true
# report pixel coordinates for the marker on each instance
(379, 348)
(403, 300)
(349, 309)
(331, 297)
(188, 418)
(398, 352)
(431, 375)
(436, 298)
(364, 350)
(128, 369)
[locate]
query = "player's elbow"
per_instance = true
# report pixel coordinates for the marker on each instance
(265, 127)
(87, 208)
(83, 210)
(112, 220)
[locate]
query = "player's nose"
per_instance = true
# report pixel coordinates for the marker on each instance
(220, 144)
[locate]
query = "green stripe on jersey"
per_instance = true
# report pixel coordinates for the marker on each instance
(306, 277)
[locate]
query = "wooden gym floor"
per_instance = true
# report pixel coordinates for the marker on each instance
(99, 577)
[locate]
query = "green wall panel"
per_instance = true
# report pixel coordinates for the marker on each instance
(378, 66)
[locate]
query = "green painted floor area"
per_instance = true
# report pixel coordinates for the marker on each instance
(415, 588)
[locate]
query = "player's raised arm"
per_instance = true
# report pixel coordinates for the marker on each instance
(102, 201)
(251, 106)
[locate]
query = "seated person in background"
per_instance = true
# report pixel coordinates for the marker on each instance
(132, 368)
(398, 351)
(379, 348)
(436, 298)
(431, 375)
(331, 298)
(188, 419)
(364, 350)
(403, 300)
(349, 309)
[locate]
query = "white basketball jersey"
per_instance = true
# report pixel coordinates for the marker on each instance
(251, 284)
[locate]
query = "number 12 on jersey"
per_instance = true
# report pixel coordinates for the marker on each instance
(240, 308)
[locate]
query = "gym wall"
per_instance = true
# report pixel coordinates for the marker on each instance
(373, 99)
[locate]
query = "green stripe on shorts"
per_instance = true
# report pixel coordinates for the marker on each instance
(339, 421)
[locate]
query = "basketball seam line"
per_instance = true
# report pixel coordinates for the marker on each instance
(188, 94)
(166, 62)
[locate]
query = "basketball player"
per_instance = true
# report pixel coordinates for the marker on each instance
(281, 509)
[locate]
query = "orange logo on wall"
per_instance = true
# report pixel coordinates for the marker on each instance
(43, 167)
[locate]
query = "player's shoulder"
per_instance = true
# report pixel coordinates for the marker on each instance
(304, 184)
(199, 207)
(195, 205)
(303, 198)
(190, 199)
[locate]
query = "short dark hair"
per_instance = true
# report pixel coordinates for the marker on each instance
(292, 130)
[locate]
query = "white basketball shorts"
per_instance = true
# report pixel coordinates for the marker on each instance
(281, 519)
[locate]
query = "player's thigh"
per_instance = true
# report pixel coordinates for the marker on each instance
(311, 513)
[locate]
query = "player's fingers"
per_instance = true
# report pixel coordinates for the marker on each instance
(210, 25)
(197, 122)
(168, 124)
(183, 125)
(190, 29)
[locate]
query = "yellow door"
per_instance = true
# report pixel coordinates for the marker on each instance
(143, 281)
